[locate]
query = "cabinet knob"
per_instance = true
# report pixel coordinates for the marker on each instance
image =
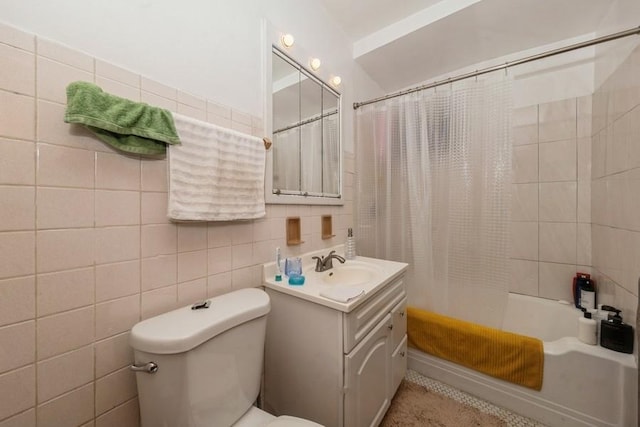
(402, 354)
(401, 314)
(390, 327)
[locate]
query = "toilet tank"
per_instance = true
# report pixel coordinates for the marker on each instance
(209, 361)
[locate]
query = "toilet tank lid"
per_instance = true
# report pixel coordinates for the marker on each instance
(183, 329)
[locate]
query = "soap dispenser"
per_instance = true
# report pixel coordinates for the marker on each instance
(350, 245)
(616, 335)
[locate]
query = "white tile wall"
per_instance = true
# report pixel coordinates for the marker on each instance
(525, 163)
(18, 345)
(557, 120)
(524, 202)
(558, 242)
(112, 353)
(63, 373)
(615, 199)
(576, 178)
(86, 247)
(73, 408)
(18, 390)
(551, 200)
(17, 162)
(124, 415)
(558, 160)
(17, 116)
(114, 389)
(64, 332)
(524, 240)
(524, 276)
(18, 302)
(558, 201)
(65, 290)
(23, 419)
(19, 73)
(20, 212)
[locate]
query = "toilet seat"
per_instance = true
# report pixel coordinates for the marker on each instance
(287, 421)
(255, 417)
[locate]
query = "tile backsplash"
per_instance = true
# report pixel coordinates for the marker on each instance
(86, 247)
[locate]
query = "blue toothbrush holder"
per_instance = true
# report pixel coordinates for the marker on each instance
(293, 267)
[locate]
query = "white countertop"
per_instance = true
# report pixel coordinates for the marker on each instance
(314, 285)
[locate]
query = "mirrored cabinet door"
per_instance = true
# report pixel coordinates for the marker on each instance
(311, 135)
(306, 148)
(286, 151)
(330, 143)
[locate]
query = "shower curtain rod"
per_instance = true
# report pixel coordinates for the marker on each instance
(532, 58)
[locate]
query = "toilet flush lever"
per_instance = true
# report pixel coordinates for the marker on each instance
(201, 304)
(149, 368)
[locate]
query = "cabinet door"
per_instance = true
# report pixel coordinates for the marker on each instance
(399, 320)
(367, 378)
(398, 365)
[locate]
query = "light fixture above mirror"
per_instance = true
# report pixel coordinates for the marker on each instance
(315, 63)
(287, 40)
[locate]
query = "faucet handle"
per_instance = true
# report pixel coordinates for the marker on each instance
(319, 262)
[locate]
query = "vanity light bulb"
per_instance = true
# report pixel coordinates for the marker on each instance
(336, 80)
(287, 40)
(314, 64)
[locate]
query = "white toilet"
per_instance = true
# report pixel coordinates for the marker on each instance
(201, 367)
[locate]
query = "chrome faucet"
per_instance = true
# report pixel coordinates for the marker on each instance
(324, 263)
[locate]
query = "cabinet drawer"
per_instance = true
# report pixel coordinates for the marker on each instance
(363, 319)
(398, 365)
(399, 319)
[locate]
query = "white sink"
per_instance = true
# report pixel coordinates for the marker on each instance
(350, 273)
(364, 276)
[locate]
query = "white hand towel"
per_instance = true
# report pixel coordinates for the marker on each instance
(216, 174)
(341, 294)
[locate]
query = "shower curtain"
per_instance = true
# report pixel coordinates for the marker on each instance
(433, 190)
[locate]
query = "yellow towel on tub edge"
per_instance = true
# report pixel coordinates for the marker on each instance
(511, 357)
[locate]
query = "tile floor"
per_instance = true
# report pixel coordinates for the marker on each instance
(512, 420)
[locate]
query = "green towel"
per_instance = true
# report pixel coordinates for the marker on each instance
(129, 126)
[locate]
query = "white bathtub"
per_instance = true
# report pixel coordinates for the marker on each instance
(583, 385)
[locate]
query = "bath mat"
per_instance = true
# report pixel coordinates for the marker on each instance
(504, 355)
(414, 405)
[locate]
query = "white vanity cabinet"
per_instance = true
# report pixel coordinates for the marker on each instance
(334, 367)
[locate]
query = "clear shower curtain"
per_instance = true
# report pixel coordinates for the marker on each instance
(433, 190)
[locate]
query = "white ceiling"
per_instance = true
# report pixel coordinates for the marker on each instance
(360, 18)
(404, 42)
